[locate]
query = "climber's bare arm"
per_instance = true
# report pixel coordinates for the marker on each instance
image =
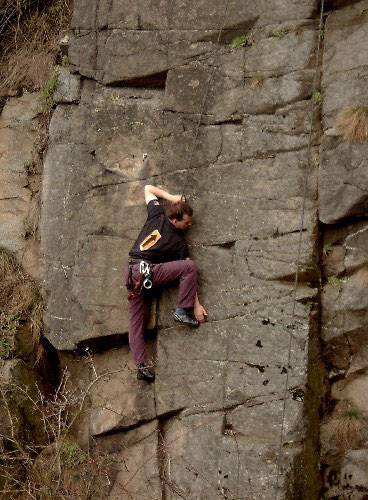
(153, 192)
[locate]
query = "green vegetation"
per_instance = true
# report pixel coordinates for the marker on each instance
(278, 32)
(353, 121)
(65, 61)
(335, 282)
(327, 249)
(72, 455)
(47, 91)
(311, 305)
(243, 41)
(317, 97)
(30, 167)
(8, 328)
(298, 29)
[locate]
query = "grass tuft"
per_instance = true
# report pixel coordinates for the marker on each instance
(278, 32)
(257, 81)
(346, 426)
(243, 41)
(327, 249)
(353, 121)
(298, 29)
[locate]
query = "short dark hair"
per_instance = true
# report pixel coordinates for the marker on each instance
(177, 210)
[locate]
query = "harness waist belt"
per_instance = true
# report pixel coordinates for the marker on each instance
(132, 260)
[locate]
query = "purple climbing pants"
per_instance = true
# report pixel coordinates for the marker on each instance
(140, 304)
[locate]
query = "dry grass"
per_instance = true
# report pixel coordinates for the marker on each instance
(20, 300)
(30, 32)
(353, 121)
(257, 82)
(346, 427)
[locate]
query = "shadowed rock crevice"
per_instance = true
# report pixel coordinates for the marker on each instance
(124, 429)
(154, 81)
(101, 344)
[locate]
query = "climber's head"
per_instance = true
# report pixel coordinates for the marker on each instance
(180, 214)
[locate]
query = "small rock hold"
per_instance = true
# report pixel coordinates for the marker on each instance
(333, 132)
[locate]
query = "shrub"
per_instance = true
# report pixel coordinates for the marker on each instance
(47, 91)
(353, 121)
(56, 468)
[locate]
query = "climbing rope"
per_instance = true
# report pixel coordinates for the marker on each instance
(205, 99)
(305, 185)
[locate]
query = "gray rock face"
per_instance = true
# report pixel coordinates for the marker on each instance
(68, 87)
(19, 134)
(234, 408)
(343, 176)
(343, 209)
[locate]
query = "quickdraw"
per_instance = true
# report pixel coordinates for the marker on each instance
(146, 270)
(145, 280)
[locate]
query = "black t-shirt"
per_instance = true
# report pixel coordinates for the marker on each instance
(159, 241)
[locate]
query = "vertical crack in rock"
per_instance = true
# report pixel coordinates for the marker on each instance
(343, 213)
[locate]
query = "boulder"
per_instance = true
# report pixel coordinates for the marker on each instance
(68, 87)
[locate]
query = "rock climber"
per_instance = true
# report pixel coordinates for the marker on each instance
(162, 249)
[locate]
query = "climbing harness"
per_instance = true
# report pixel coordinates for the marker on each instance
(144, 283)
(146, 270)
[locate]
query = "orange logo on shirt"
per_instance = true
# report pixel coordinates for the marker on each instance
(150, 240)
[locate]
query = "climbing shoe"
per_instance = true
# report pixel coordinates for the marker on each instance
(186, 318)
(144, 373)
